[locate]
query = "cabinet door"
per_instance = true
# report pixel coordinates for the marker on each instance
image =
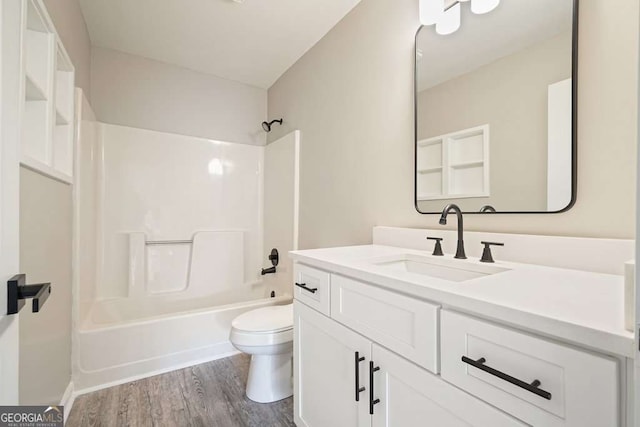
(325, 372)
(410, 396)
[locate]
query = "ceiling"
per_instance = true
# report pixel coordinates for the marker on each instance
(253, 42)
(482, 39)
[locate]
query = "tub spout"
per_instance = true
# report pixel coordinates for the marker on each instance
(270, 270)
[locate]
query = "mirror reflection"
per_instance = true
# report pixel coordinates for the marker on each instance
(494, 116)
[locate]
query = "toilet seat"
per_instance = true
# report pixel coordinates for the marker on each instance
(252, 339)
(264, 326)
(265, 320)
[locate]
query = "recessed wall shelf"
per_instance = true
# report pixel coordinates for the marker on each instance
(454, 166)
(48, 107)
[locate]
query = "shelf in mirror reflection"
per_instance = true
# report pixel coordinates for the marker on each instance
(430, 170)
(470, 164)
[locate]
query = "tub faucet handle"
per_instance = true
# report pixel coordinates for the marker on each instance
(274, 257)
(270, 270)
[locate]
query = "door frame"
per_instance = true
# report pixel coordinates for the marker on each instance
(11, 89)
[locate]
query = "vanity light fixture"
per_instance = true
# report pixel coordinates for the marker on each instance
(449, 22)
(480, 7)
(445, 14)
(431, 11)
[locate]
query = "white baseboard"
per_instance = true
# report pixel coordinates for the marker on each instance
(67, 400)
(164, 370)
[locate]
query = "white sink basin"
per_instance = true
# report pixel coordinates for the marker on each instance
(442, 268)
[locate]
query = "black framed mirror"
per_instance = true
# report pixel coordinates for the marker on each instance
(496, 109)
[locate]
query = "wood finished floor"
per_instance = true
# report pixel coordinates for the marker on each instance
(211, 394)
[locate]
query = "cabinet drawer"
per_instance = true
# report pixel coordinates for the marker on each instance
(312, 287)
(405, 325)
(538, 381)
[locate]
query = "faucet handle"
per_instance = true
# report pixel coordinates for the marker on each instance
(486, 253)
(437, 250)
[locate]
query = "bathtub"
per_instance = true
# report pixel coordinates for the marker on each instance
(125, 339)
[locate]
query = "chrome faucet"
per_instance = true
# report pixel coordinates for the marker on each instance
(443, 221)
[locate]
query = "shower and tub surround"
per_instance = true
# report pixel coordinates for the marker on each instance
(170, 243)
(200, 199)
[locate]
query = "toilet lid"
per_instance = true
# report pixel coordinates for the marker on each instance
(267, 319)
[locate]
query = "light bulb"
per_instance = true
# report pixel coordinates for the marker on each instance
(450, 21)
(483, 6)
(431, 11)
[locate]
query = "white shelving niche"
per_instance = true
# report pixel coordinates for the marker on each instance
(454, 165)
(48, 109)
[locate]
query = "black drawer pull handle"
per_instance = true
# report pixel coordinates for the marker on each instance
(358, 388)
(372, 400)
(532, 387)
(304, 286)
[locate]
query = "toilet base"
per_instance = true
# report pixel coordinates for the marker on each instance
(270, 377)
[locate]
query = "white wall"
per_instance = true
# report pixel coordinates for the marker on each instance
(85, 209)
(137, 92)
(171, 187)
(72, 28)
(351, 95)
(281, 208)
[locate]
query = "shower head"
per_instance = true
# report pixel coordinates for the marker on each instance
(267, 125)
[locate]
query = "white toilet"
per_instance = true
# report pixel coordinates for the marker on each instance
(267, 335)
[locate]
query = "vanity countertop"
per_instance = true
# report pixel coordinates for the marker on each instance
(581, 307)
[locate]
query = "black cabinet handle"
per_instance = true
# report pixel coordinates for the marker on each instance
(533, 387)
(304, 286)
(372, 400)
(358, 388)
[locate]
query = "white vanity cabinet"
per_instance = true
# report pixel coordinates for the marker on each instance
(379, 358)
(343, 378)
(334, 369)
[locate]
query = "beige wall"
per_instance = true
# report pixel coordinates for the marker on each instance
(45, 256)
(133, 91)
(351, 95)
(69, 22)
(510, 95)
